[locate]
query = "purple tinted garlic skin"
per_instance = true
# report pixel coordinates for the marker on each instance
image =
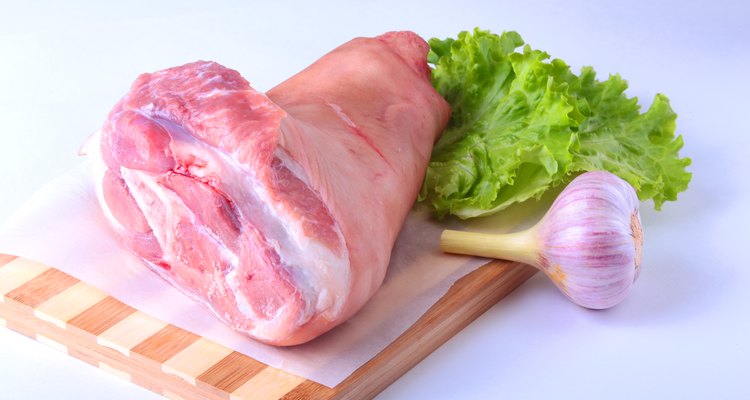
(590, 241)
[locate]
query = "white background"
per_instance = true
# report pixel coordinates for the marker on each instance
(684, 331)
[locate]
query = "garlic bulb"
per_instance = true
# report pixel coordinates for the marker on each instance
(589, 242)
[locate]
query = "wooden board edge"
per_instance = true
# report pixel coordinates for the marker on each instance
(85, 347)
(468, 298)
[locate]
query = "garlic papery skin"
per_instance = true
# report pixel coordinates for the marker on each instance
(589, 242)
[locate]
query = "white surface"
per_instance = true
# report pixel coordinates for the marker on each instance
(681, 334)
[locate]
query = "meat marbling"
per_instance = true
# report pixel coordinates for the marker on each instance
(277, 211)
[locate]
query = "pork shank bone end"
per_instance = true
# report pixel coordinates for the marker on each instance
(276, 211)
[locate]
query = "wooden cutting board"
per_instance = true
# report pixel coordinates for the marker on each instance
(54, 308)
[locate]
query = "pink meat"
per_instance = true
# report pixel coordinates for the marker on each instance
(277, 211)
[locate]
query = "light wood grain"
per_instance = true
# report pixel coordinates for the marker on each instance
(129, 332)
(71, 316)
(51, 343)
(69, 303)
(114, 371)
(196, 359)
(17, 272)
(268, 384)
(172, 396)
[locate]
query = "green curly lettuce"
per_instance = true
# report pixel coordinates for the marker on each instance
(523, 124)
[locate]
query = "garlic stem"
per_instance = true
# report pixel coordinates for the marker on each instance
(518, 246)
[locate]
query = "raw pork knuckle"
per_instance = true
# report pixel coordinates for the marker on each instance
(277, 211)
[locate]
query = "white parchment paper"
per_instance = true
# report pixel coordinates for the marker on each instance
(62, 226)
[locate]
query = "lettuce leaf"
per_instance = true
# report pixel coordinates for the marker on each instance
(523, 124)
